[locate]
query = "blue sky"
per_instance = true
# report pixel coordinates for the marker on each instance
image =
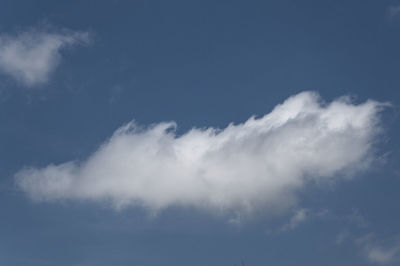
(199, 133)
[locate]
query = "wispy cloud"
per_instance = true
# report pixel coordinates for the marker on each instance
(342, 237)
(259, 163)
(379, 253)
(393, 11)
(31, 56)
(298, 218)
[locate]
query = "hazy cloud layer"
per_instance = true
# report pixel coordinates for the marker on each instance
(261, 162)
(31, 56)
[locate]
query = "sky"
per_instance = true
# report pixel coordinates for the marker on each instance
(200, 133)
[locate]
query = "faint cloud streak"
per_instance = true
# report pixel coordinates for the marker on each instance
(393, 12)
(378, 252)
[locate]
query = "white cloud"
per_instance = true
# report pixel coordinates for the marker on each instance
(259, 163)
(299, 217)
(31, 56)
(379, 253)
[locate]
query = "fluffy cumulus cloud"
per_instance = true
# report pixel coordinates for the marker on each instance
(262, 162)
(31, 56)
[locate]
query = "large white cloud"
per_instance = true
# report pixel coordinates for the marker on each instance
(31, 56)
(259, 163)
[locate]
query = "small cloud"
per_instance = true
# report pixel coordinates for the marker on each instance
(299, 217)
(393, 12)
(31, 56)
(341, 237)
(379, 252)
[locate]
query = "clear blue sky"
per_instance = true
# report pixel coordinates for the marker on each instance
(318, 187)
